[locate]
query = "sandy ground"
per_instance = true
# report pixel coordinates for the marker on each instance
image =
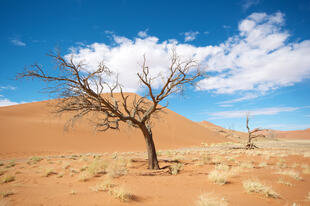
(40, 164)
(78, 179)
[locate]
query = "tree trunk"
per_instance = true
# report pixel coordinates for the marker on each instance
(151, 151)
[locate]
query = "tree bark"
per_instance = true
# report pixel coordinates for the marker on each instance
(151, 151)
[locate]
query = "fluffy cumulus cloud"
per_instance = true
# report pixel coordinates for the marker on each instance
(190, 36)
(256, 60)
(126, 57)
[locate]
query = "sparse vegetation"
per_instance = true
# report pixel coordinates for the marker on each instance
(105, 186)
(208, 199)
(283, 182)
(48, 172)
(219, 176)
(122, 194)
(255, 186)
(204, 159)
(10, 164)
(34, 160)
(7, 178)
(175, 168)
(84, 176)
(291, 173)
(4, 194)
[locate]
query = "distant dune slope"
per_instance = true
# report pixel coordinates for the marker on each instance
(31, 128)
(295, 134)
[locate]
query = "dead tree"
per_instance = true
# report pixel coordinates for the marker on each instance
(251, 134)
(83, 93)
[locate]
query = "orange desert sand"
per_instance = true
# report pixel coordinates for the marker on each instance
(202, 163)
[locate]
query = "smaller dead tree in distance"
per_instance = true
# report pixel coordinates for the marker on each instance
(81, 94)
(251, 134)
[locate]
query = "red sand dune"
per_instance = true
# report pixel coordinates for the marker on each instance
(31, 129)
(297, 134)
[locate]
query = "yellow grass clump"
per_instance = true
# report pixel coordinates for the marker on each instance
(255, 186)
(208, 199)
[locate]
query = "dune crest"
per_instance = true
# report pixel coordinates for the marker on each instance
(31, 128)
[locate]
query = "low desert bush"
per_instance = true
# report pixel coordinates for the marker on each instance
(219, 176)
(208, 199)
(255, 186)
(175, 168)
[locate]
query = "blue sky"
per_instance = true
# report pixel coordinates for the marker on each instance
(256, 52)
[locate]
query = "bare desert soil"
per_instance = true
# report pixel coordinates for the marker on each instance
(106, 179)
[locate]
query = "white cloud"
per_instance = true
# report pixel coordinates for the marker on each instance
(190, 36)
(18, 42)
(7, 88)
(240, 99)
(142, 34)
(258, 59)
(6, 102)
(242, 113)
(126, 57)
(249, 3)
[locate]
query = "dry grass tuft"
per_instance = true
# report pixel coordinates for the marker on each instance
(84, 176)
(122, 194)
(222, 167)
(204, 159)
(208, 199)
(4, 194)
(175, 168)
(97, 167)
(255, 186)
(291, 173)
(2, 172)
(105, 186)
(34, 160)
(219, 177)
(248, 165)
(283, 182)
(48, 172)
(263, 164)
(7, 178)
